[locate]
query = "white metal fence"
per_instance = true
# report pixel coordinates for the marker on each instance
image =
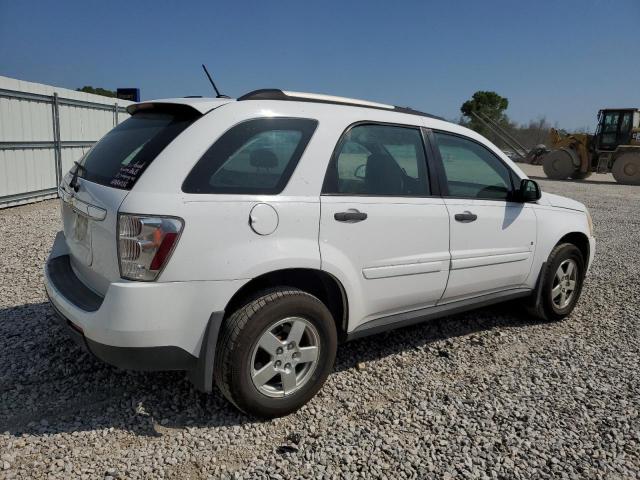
(43, 130)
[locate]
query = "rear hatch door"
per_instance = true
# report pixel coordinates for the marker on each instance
(96, 186)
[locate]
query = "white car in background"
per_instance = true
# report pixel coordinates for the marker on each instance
(241, 240)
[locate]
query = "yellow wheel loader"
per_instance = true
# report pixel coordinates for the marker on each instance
(614, 148)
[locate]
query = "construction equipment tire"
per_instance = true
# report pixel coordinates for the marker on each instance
(558, 164)
(626, 168)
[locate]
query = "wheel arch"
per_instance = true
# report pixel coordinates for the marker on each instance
(319, 283)
(580, 240)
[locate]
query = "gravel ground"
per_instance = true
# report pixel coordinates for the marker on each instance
(487, 394)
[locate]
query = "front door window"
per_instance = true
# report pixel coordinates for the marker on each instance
(471, 170)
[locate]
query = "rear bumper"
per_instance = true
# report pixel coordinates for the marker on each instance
(139, 325)
(130, 358)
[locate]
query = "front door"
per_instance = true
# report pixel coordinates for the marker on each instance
(381, 231)
(492, 237)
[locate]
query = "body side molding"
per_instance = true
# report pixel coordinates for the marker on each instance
(386, 271)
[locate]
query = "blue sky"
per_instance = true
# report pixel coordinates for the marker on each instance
(562, 59)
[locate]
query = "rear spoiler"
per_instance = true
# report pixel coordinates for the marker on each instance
(178, 108)
(201, 105)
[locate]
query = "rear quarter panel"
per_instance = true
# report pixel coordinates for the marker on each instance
(219, 244)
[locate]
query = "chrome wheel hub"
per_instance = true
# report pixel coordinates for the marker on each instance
(564, 283)
(284, 357)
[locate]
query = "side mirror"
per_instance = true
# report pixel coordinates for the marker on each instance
(529, 191)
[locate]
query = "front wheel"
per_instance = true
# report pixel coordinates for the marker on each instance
(562, 281)
(559, 164)
(275, 352)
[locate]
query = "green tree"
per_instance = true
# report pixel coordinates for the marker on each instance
(488, 104)
(97, 91)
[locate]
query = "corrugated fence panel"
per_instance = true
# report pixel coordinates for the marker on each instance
(80, 123)
(23, 120)
(28, 139)
(27, 170)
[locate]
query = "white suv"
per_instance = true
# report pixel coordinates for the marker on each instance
(241, 239)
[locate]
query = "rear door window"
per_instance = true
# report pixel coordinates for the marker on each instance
(122, 155)
(374, 160)
(254, 157)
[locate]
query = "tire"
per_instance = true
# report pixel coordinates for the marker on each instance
(558, 164)
(240, 355)
(626, 169)
(550, 308)
(578, 175)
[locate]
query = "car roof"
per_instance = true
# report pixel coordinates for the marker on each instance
(291, 96)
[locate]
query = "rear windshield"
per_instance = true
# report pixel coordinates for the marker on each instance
(122, 155)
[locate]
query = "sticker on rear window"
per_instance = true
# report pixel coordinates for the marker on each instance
(127, 175)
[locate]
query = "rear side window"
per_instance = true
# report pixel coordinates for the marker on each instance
(122, 155)
(254, 157)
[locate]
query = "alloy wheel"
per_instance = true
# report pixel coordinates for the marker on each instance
(564, 283)
(285, 357)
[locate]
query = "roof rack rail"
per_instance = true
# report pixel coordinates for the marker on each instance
(277, 94)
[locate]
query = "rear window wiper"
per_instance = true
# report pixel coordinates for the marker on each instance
(74, 180)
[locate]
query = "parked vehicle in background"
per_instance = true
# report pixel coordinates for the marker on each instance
(241, 240)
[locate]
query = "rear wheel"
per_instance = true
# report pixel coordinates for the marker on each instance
(558, 164)
(626, 169)
(275, 352)
(561, 281)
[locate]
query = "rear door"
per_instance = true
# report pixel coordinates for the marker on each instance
(383, 232)
(492, 237)
(97, 185)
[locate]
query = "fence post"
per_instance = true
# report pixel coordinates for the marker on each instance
(56, 139)
(115, 114)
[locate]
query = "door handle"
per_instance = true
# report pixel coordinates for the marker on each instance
(350, 216)
(465, 217)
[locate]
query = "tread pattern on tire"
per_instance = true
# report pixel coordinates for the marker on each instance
(232, 327)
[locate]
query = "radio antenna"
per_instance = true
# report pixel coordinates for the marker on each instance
(218, 94)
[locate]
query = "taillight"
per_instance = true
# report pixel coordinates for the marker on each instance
(145, 244)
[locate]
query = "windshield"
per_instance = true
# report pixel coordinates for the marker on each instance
(122, 155)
